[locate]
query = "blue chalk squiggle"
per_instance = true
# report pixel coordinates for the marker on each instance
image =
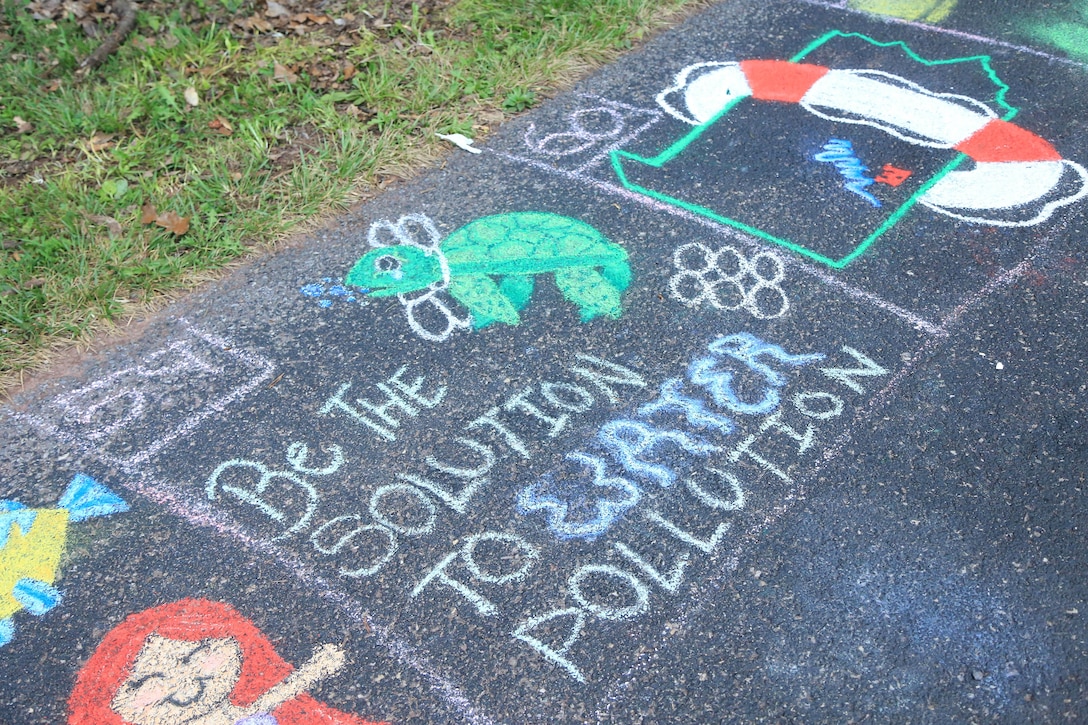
(840, 152)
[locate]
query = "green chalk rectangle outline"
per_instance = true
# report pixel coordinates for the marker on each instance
(678, 147)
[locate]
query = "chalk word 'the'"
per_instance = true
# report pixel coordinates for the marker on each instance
(283, 504)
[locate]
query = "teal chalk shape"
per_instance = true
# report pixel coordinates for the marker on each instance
(491, 265)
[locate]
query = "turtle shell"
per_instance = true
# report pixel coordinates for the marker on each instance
(539, 240)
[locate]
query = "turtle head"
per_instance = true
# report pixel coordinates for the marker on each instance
(395, 270)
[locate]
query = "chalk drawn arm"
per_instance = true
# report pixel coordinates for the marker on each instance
(327, 660)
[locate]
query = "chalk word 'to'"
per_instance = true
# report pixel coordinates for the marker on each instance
(718, 278)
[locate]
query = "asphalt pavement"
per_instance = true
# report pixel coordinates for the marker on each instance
(744, 382)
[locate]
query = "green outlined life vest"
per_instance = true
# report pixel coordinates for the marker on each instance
(1016, 178)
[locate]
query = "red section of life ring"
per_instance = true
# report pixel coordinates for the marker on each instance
(1002, 141)
(781, 80)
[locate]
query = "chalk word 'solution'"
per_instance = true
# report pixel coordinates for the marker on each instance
(490, 266)
(31, 544)
(727, 280)
(200, 661)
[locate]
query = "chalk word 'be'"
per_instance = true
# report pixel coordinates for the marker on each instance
(718, 278)
(275, 494)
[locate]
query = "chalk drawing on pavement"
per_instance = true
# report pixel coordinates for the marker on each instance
(597, 127)
(840, 153)
(201, 373)
(927, 11)
(981, 168)
(197, 660)
(328, 292)
(727, 280)
(1068, 33)
(490, 266)
(32, 542)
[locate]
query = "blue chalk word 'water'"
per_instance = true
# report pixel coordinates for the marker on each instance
(841, 153)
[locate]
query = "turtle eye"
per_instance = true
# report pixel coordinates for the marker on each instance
(386, 263)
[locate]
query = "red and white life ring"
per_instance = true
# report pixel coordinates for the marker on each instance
(1013, 167)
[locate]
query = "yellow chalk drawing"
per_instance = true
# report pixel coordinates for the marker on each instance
(32, 542)
(928, 11)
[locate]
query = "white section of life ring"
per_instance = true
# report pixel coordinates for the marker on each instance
(908, 112)
(897, 106)
(1005, 185)
(705, 89)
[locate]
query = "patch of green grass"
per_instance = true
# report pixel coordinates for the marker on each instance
(75, 254)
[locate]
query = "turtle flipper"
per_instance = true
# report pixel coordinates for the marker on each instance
(618, 273)
(518, 288)
(484, 300)
(588, 289)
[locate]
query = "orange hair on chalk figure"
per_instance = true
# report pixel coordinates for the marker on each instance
(199, 662)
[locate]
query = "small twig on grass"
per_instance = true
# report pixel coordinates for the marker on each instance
(112, 43)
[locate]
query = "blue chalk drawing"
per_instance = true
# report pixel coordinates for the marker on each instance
(557, 510)
(629, 441)
(32, 542)
(748, 349)
(840, 152)
(328, 291)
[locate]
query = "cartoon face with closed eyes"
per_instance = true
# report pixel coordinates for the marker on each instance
(198, 662)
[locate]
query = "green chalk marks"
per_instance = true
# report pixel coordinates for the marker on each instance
(1068, 34)
(489, 266)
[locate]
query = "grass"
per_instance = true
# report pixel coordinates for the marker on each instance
(314, 121)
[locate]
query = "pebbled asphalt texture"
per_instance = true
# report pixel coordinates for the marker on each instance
(864, 502)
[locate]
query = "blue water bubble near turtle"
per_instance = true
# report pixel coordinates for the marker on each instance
(491, 266)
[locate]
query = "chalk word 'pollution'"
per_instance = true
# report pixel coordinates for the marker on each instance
(490, 266)
(197, 660)
(713, 410)
(31, 544)
(719, 278)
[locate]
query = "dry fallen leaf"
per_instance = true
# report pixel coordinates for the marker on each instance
(275, 10)
(221, 126)
(51, 85)
(171, 222)
(101, 141)
(280, 72)
(349, 71)
(110, 223)
(34, 283)
(191, 96)
(22, 126)
(148, 213)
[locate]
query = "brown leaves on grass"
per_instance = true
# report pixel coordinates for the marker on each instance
(281, 72)
(22, 126)
(100, 141)
(110, 223)
(221, 126)
(168, 220)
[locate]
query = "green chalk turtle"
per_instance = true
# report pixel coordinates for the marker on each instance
(489, 265)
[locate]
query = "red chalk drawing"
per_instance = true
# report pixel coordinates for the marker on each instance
(892, 175)
(199, 662)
